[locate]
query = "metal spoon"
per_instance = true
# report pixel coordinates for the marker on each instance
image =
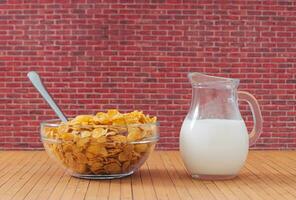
(36, 81)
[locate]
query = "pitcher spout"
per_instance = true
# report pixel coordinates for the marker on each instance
(203, 80)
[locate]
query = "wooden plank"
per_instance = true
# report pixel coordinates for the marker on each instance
(47, 183)
(104, 189)
(286, 183)
(81, 189)
(280, 173)
(196, 188)
(271, 183)
(148, 187)
(162, 184)
(259, 182)
(60, 187)
(235, 187)
(288, 154)
(257, 188)
(92, 190)
(32, 176)
(14, 166)
(27, 185)
(114, 192)
(225, 190)
(266, 184)
(137, 187)
(20, 174)
(126, 188)
(284, 164)
(70, 188)
(175, 178)
(215, 191)
(7, 159)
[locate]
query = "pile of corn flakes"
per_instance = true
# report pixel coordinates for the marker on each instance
(105, 143)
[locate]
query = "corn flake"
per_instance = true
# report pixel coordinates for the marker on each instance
(103, 143)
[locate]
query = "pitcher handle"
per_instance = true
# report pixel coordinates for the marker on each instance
(257, 117)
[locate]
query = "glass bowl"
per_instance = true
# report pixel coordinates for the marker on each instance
(99, 151)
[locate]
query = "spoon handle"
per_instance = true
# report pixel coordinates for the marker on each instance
(36, 81)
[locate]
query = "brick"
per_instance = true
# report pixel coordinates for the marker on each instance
(136, 55)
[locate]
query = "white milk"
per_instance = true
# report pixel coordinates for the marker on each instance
(214, 146)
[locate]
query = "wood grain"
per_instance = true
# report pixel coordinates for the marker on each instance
(32, 175)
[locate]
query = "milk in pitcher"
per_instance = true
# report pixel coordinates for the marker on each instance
(214, 146)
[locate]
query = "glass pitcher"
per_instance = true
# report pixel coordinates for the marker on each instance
(214, 141)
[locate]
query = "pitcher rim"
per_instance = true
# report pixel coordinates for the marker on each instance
(218, 80)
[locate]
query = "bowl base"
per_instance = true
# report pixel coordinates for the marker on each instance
(213, 177)
(101, 177)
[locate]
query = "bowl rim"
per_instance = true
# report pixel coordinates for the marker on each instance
(50, 123)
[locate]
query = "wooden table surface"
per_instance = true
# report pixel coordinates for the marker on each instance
(32, 175)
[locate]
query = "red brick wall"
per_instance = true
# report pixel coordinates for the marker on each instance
(131, 54)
